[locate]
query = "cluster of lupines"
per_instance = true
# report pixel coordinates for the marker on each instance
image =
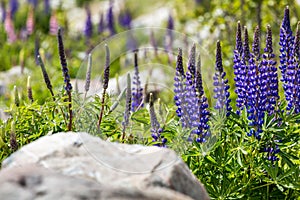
(192, 106)
(256, 79)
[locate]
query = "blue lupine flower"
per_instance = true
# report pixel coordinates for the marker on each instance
(14, 6)
(125, 19)
(272, 76)
(179, 88)
(202, 110)
(296, 58)
(110, 19)
(221, 84)
(239, 71)
(101, 25)
(256, 43)
(47, 7)
(156, 130)
(286, 43)
(137, 90)
(88, 29)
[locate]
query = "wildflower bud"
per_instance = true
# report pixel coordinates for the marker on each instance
(239, 44)
(128, 103)
(192, 60)
(13, 140)
(16, 95)
(29, 90)
(246, 49)
(45, 74)
(107, 68)
(88, 73)
(256, 42)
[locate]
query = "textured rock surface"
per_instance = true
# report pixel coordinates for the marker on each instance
(127, 170)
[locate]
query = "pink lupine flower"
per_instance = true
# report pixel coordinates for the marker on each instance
(53, 24)
(9, 28)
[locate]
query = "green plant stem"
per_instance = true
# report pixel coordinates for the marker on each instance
(102, 109)
(70, 112)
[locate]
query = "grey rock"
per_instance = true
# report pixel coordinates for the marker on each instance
(132, 170)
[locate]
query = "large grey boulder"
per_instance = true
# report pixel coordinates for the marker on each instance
(127, 170)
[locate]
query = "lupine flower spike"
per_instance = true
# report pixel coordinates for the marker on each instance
(128, 107)
(292, 76)
(29, 90)
(45, 75)
(105, 83)
(179, 89)
(286, 49)
(30, 22)
(16, 96)
(13, 140)
(156, 130)
(88, 75)
(101, 25)
(137, 90)
(14, 6)
(9, 28)
(65, 70)
(88, 29)
(238, 72)
(221, 84)
(53, 24)
(272, 76)
(202, 111)
(110, 19)
(47, 6)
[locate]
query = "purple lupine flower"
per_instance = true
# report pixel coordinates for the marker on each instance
(110, 19)
(45, 75)
(125, 19)
(202, 111)
(47, 7)
(253, 90)
(107, 68)
(88, 29)
(179, 89)
(256, 43)
(156, 130)
(239, 70)
(30, 22)
(221, 84)
(169, 37)
(14, 6)
(101, 25)
(292, 75)
(63, 62)
(272, 150)
(9, 28)
(272, 79)
(137, 90)
(296, 58)
(53, 24)
(286, 43)
(191, 99)
(88, 74)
